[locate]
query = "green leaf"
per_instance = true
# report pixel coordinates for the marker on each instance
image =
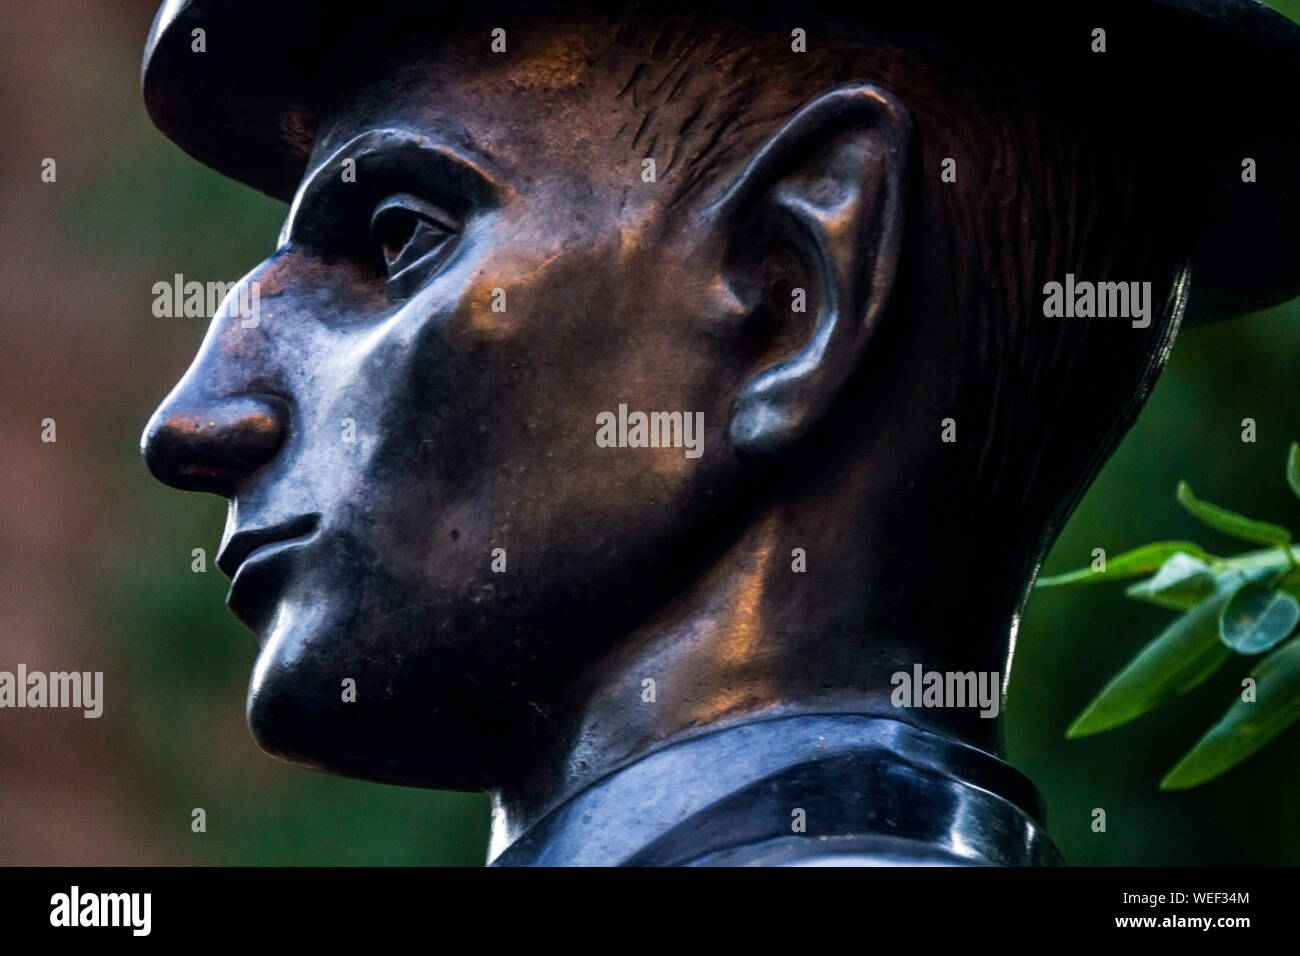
(1293, 468)
(1246, 727)
(1231, 523)
(1289, 583)
(1181, 583)
(1144, 560)
(1258, 618)
(1185, 653)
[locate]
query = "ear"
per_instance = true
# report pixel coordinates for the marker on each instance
(830, 185)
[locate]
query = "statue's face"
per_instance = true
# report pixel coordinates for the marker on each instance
(473, 270)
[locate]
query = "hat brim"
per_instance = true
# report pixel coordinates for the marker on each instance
(248, 105)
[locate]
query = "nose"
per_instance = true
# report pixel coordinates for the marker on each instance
(213, 445)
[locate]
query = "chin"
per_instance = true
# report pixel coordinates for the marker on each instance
(418, 740)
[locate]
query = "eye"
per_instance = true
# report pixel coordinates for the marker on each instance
(409, 236)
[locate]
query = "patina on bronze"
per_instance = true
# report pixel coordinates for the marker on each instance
(667, 655)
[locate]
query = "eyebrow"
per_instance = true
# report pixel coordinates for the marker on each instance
(396, 151)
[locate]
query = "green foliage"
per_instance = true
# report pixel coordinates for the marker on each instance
(1181, 583)
(1258, 618)
(1231, 523)
(1293, 468)
(1248, 724)
(1246, 604)
(1142, 560)
(1185, 653)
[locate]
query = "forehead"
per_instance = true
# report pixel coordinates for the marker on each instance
(583, 98)
(550, 102)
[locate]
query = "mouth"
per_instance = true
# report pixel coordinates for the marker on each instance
(246, 546)
(257, 577)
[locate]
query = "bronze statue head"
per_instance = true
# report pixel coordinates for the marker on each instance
(622, 377)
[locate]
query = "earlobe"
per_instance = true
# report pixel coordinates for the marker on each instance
(831, 181)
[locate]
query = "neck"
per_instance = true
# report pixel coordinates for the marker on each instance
(756, 639)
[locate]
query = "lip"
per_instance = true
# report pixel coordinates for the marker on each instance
(252, 560)
(244, 546)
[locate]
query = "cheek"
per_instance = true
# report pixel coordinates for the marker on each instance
(559, 406)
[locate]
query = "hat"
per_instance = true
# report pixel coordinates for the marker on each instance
(247, 105)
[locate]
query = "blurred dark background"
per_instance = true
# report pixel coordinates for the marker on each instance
(95, 557)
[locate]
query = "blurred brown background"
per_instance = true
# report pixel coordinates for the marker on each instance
(95, 556)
